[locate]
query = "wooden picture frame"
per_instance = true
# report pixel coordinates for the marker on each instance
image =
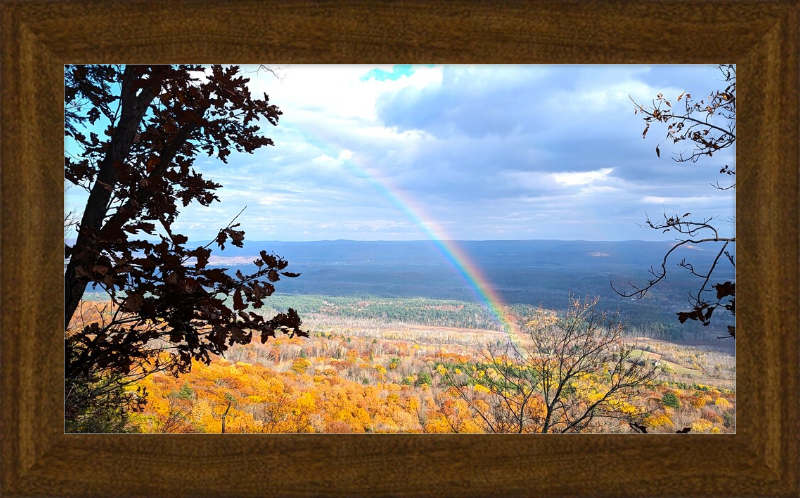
(38, 38)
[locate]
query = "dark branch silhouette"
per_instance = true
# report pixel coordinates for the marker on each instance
(710, 126)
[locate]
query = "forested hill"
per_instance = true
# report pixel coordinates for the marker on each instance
(537, 272)
(489, 253)
(486, 254)
(534, 272)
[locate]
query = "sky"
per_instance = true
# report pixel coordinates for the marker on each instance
(461, 153)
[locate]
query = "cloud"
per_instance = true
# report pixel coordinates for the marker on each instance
(674, 200)
(471, 144)
(582, 177)
(363, 152)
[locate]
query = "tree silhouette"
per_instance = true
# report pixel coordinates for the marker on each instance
(138, 130)
(709, 126)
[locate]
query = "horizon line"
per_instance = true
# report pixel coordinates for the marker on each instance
(206, 240)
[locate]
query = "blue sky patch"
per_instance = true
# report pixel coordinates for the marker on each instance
(398, 71)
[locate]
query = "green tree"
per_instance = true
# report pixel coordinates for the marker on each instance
(671, 400)
(709, 126)
(424, 379)
(98, 403)
(138, 130)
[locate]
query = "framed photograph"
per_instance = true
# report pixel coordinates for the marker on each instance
(42, 41)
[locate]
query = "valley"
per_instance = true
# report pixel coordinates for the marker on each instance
(393, 325)
(380, 365)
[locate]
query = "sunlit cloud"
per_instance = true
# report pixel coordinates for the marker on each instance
(674, 200)
(582, 178)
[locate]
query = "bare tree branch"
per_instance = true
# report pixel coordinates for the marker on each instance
(694, 125)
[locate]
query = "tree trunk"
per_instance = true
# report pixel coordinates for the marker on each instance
(224, 416)
(132, 110)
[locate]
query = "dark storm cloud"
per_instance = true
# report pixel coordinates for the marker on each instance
(570, 118)
(469, 101)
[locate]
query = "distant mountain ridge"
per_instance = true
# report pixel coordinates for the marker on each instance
(635, 255)
(484, 253)
(536, 272)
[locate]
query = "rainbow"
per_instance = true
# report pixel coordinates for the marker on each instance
(449, 249)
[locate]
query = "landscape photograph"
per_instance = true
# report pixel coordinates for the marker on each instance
(420, 249)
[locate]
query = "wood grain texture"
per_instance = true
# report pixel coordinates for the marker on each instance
(38, 38)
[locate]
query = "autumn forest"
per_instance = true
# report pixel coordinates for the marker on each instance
(173, 324)
(362, 370)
